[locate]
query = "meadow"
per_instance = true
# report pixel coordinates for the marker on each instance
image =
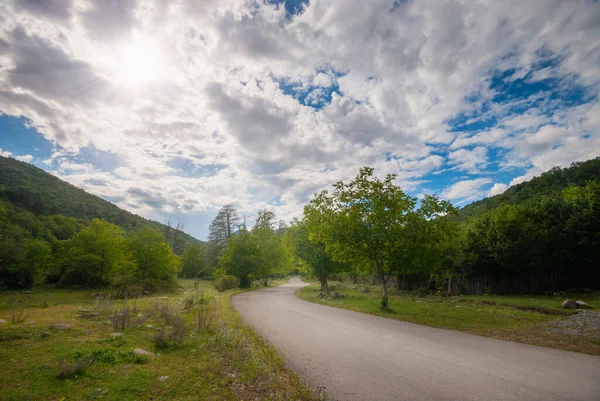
(197, 348)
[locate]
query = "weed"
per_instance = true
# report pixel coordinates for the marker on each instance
(205, 316)
(104, 303)
(122, 319)
(70, 370)
(18, 315)
(109, 356)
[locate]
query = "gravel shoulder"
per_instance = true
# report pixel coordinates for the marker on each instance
(355, 356)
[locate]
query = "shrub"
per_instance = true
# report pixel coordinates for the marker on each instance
(174, 330)
(68, 370)
(225, 283)
(122, 319)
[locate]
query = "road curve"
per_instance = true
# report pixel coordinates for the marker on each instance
(356, 356)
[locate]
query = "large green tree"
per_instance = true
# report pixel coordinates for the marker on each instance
(242, 257)
(94, 252)
(370, 220)
(153, 257)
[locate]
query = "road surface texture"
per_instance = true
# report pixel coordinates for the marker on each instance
(356, 356)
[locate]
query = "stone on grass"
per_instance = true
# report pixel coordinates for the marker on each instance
(60, 326)
(139, 351)
(163, 378)
(116, 334)
(569, 304)
(149, 326)
(582, 305)
(2, 321)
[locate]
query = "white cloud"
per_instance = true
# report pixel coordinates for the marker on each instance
(5, 153)
(466, 190)
(402, 74)
(24, 158)
(497, 189)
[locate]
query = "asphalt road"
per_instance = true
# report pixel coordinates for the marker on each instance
(356, 356)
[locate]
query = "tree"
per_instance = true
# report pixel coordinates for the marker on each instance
(265, 219)
(94, 252)
(314, 255)
(242, 257)
(272, 253)
(154, 258)
(368, 220)
(221, 229)
(193, 262)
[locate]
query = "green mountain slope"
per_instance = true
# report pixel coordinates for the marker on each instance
(25, 186)
(549, 182)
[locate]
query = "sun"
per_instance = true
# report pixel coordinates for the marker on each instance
(139, 63)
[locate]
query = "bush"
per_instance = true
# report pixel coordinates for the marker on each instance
(225, 283)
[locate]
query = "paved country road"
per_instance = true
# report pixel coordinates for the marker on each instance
(357, 356)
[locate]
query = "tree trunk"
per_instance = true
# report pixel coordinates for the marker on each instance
(449, 286)
(384, 299)
(381, 277)
(324, 285)
(266, 280)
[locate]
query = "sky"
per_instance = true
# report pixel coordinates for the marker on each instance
(176, 108)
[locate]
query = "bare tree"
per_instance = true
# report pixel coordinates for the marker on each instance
(220, 231)
(266, 218)
(168, 230)
(178, 238)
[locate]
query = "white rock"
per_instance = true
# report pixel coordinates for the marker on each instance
(139, 351)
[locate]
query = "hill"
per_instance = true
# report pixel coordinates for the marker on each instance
(25, 186)
(552, 181)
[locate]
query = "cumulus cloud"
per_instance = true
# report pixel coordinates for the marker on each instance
(466, 190)
(24, 158)
(286, 104)
(497, 189)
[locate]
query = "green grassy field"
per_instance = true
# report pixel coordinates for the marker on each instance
(228, 361)
(514, 318)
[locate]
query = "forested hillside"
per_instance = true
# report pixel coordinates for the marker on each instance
(52, 232)
(43, 194)
(552, 181)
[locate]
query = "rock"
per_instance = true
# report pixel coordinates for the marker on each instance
(582, 305)
(569, 304)
(126, 366)
(336, 294)
(146, 293)
(116, 334)
(163, 378)
(149, 326)
(139, 351)
(45, 334)
(60, 326)
(2, 321)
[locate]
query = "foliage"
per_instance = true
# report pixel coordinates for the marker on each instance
(374, 222)
(551, 182)
(193, 262)
(226, 282)
(242, 258)
(313, 254)
(272, 253)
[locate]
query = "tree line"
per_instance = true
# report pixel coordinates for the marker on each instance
(66, 251)
(369, 229)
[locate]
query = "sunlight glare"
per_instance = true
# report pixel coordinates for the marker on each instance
(140, 63)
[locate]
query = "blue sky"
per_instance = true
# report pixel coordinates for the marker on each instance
(175, 111)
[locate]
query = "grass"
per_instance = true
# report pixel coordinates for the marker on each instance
(513, 318)
(229, 361)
